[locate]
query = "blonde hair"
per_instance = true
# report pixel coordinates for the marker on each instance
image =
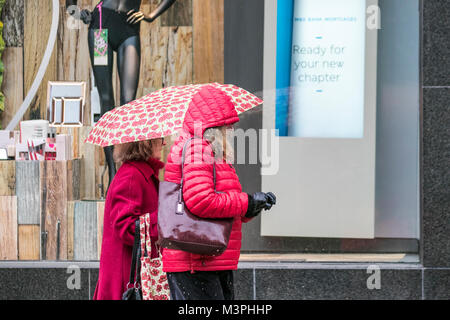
(221, 143)
(133, 151)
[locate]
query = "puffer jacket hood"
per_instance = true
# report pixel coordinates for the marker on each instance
(209, 108)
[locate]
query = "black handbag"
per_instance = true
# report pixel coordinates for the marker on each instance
(181, 230)
(134, 291)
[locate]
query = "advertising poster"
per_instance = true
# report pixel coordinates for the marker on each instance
(327, 69)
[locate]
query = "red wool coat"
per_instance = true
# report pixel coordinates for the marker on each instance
(209, 108)
(132, 193)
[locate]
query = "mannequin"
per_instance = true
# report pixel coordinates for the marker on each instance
(122, 20)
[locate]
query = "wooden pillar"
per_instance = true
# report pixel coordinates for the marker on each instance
(154, 41)
(53, 180)
(88, 167)
(85, 231)
(28, 188)
(73, 179)
(180, 14)
(12, 18)
(100, 217)
(178, 70)
(208, 18)
(38, 17)
(29, 242)
(28, 209)
(12, 86)
(8, 228)
(70, 230)
(7, 178)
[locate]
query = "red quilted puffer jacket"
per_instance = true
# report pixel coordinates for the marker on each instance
(209, 108)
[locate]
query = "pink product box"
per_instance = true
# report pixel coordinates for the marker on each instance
(36, 150)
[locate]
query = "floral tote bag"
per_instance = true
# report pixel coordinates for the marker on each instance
(153, 280)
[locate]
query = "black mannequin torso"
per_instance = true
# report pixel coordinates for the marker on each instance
(129, 6)
(122, 5)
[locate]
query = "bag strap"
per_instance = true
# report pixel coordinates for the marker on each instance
(135, 258)
(146, 240)
(180, 193)
(143, 231)
(183, 157)
(149, 242)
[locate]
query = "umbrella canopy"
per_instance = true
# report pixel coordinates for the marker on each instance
(159, 114)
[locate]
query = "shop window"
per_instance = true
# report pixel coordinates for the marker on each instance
(345, 100)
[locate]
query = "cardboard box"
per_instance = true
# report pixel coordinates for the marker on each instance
(33, 129)
(6, 138)
(32, 149)
(63, 147)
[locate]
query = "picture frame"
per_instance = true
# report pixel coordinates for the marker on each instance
(65, 103)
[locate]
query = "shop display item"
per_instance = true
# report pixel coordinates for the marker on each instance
(65, 103)
(33, 129)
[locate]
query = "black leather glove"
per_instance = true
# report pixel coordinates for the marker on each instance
(256, 203)
(271, 201)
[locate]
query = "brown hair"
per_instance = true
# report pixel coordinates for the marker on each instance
(133, 151)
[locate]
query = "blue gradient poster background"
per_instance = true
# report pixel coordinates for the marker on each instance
(327, 63)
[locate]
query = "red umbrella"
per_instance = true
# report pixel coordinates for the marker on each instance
(158, 114)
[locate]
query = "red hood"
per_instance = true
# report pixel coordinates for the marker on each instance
(210, 107)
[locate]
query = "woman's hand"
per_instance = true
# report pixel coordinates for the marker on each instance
(86, 16)
(137, 16)
(271, 200)
(259, 201)
(83, 15)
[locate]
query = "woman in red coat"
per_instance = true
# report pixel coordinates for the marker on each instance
(132, 193)
(209, 116)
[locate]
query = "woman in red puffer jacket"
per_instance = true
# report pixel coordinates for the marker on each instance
(209, 116)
